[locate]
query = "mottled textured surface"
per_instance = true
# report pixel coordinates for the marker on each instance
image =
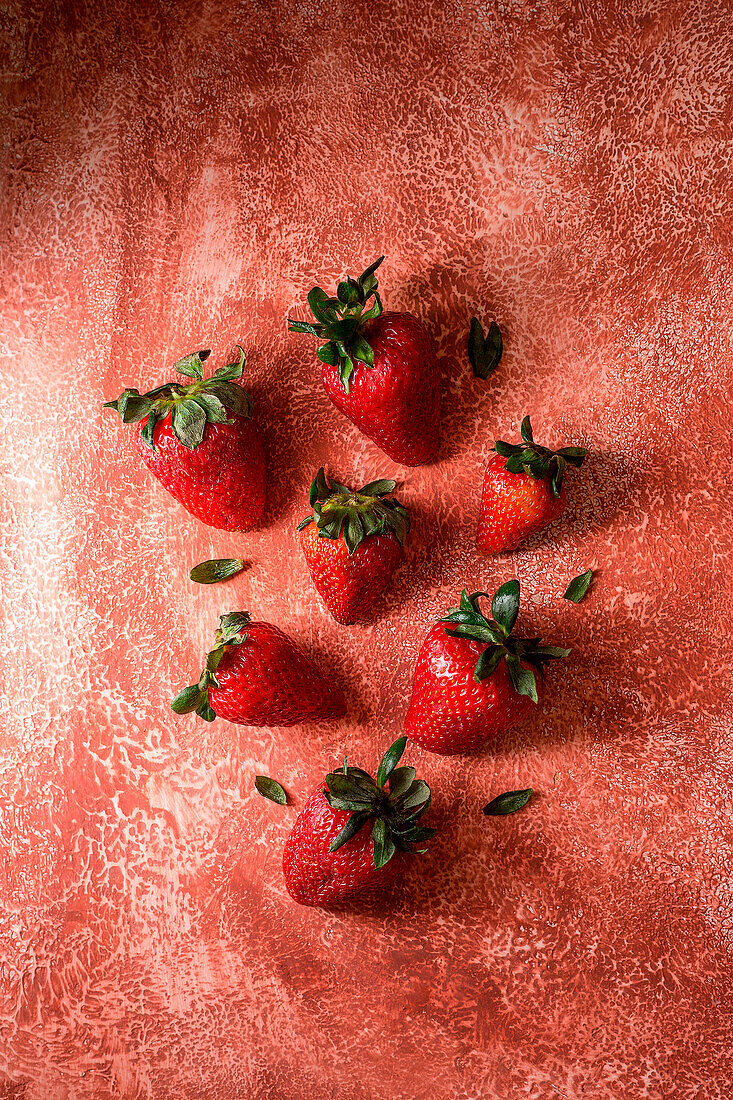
(179, 174)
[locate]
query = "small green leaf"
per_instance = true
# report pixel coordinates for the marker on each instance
(578, 587)
(206, 711)
(271, 789)
(306, 326)
(191, 365)
(348, 292)
(526, 431)
(316, 298)
(557, 476)
(133, 408)
(343, 330)
(378, 488)
(189, 423)
(365, 275)
(506, 450)
(346, 369)
(353, 532)
(508, 803)
(148, 428)
(417, 794)
(488, 663)
(231, 395)
(384, 846)
(514, 465)
(390, 760)
(505, 605)
(361, 349)
(523, 679)
(232, 371)
(215, 570)
(328, 353)
(400, 780)
(350, 829)
(484, 353)
(574, 455)
(233, 628)
(188, 700)
(212, 406)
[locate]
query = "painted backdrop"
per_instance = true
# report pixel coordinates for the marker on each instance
(179, 175)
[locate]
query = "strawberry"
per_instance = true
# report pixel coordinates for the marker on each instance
(200, 441)
(379, 369)
(258, 676)
(353, 542)
(473, 678)
(330, 856)
(523, 491)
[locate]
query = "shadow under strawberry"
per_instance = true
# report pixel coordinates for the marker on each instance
(442, 295)
(610, 485)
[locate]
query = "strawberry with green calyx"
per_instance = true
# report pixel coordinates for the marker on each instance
(354, 832)
(200, 441)
(523, 491)
(258, 676)
(474, 679)
(379, 369)
(352, 542)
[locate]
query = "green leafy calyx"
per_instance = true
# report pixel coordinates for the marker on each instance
(539, 462)
(340, 512)
(393, 804)
(232, 630)
(467, 621)
(203, 401)
(340, 321)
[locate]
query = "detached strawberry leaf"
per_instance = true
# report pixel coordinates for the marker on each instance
(578, 587)
(270, 788)
(484, 352)
(508, 803)
(215, 570)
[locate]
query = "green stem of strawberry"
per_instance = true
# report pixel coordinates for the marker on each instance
(539, 462)
(467, 621)
(393, 803)
(340, 321)
(204, 401)
(339, 511)
(232, 630)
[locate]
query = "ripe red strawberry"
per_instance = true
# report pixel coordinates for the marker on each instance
(330, 856)
(200, 441)
(523, 491)
(258, 676)
(473, 679)
(379, 369)
(352, 543)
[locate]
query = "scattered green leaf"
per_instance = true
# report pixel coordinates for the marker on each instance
(215, 570)
(484, 352)
(578, 587)
(508, 803)
(271, 789)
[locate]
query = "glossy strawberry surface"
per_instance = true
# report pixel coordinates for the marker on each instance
(513, 506)
(396, 403)
(222, 481)
(267, 680)
(315, 876)
(449, 712)
(347, 583)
